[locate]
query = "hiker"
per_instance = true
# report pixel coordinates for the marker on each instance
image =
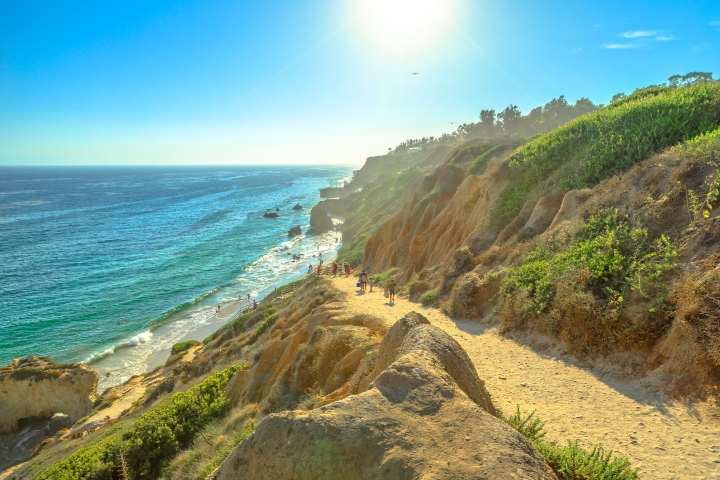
(371, 284)
(334, 269)
(319, 267)
(309, 269)
(391, 290)
(254, 305)
(363, 281)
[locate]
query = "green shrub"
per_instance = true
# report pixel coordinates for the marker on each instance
(604, 267)
(590, 148)
(183, 346)
(571, 462)
(154, 439)
(382, 279)
(417, 286)
(428, 298)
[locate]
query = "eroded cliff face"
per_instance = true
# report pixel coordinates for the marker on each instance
(37, 387)
(420, 410)
(448, 210)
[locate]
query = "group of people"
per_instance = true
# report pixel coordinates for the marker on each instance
(364, 281)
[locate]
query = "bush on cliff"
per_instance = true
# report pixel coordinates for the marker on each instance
(571, 462)
(588, 149)
(151, 441)
(183, 346)
(579, 287)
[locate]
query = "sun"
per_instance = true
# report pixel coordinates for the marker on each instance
(404, 26)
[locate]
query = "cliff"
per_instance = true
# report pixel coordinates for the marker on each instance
(36, 387)
(422, 395)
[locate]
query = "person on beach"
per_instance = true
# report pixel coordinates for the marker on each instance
(218, 309)
(391, 290)
(309, 269)
(248, 298)
(371, 284)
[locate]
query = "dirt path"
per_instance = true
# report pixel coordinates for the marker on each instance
(666, 439)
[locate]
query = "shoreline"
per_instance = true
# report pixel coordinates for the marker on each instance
(151, 348)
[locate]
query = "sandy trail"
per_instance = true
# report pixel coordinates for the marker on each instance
(665, 438)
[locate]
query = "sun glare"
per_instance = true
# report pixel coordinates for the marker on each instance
(404, 26)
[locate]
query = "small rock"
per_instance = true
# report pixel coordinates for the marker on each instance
(502, 378)
(523, 384)
(297, 207)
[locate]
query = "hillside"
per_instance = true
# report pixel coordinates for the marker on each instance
(573, 274)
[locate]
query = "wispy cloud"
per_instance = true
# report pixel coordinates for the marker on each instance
(638, 34)
(714, 23)
(665, 38)
(622, 45)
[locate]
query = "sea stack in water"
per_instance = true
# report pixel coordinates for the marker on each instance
(297, 207)
(271, 215)
(37, 387)
(320, 221)
(295, 231)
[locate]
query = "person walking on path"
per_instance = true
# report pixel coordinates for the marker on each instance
(254, 304)
(371, 284)
(391, 290)
(309, 269)
(319, 268)
(363, 281)
(334, 269)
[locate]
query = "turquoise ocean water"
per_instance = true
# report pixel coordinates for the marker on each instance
(110, 265)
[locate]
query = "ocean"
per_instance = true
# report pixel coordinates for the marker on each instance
(113, 265)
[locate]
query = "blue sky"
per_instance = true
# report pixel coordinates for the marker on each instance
(314, 81)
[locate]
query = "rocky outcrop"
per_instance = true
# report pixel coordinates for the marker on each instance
(420, 412)
(19, 446)
(37, 387)
(271, 215)
(297, 207)
(320, 221)
(295, 231)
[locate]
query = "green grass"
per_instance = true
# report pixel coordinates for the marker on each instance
(183, 346)
(590, 148)
(383, 278)
(151, 441)
(571, 462)
(429, 297)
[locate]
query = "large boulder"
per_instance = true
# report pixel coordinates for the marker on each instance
(421, 412)
(297, 207)
(37, 387)
(320, 221)
(271, 215)
(294, 232)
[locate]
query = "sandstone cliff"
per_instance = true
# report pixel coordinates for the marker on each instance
(421, 411)
(36, 387)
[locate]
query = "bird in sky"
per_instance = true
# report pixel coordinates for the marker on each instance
(452, 123)
(415, 73)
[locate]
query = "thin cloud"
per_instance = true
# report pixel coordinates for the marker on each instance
(638, 34)
(714, 23)
(622, 45)
(665, 38)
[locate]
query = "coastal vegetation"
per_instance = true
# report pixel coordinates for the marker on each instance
(571, 462)
(144, 447)
(609, 141)
(580, 286)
